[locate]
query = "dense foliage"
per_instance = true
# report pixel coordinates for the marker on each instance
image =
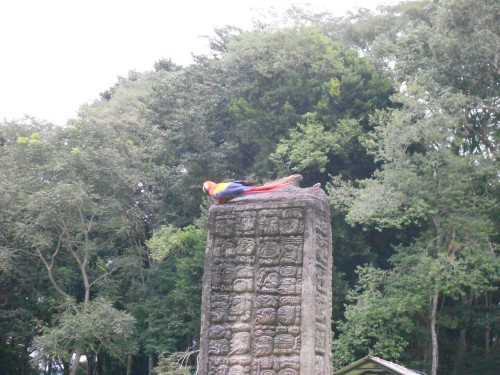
(396, 114)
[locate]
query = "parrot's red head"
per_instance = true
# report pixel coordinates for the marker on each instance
(208, 186)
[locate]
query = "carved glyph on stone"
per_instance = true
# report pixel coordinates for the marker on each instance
(266, 306)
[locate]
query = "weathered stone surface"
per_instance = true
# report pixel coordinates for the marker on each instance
(266, 305)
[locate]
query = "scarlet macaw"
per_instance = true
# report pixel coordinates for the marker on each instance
(225, 191)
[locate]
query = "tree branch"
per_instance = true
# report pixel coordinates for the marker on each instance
(58, 247)
(82, 266)
(104, 275)
(51, 276)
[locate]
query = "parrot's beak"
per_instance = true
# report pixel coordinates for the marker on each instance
(207, 186)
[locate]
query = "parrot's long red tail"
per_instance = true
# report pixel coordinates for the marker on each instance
(277, 184)
(265, 188)
(288, 180)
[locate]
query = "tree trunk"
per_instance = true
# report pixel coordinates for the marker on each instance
(462, 344)
(66, 367)
(435, 351)
(76, 362)
(20, 358)
(86, 299)
(150, 364)
(462, 340)
(92, 365)
(487, 331)
(100, 362)
(129, 364)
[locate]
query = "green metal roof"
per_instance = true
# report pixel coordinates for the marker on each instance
(370, 365)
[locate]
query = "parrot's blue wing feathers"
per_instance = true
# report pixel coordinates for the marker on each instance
(245, 183)
(232, 190)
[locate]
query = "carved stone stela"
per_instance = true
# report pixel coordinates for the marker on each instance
(267, 286)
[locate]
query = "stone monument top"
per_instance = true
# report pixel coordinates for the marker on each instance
(284, 194)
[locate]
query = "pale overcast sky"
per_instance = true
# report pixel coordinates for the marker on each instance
(56, 55)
